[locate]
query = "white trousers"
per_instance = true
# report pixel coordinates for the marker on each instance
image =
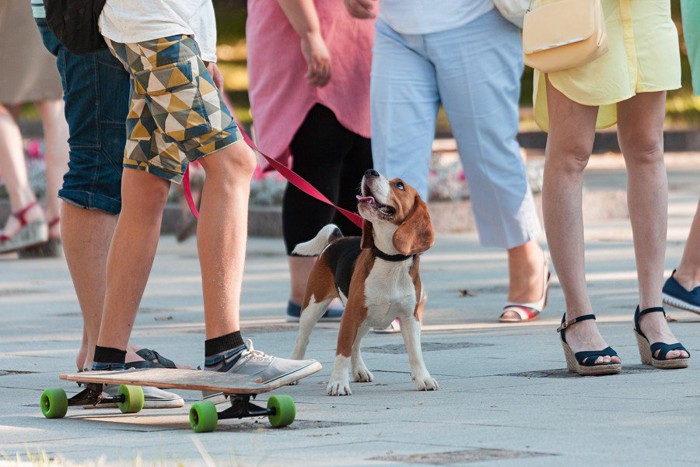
(474, 72)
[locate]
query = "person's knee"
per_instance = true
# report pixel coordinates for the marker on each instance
(571, 157)
(143, 192)
(644, 149)
(234, 164)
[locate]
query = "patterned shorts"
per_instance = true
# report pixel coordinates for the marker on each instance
(176, 113)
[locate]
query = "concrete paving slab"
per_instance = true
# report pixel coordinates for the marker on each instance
(505, 396)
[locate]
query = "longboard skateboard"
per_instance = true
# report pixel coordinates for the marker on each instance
(238, 389)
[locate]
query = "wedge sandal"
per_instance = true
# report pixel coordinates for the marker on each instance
(584, 362)
(647, 351)
(29, 234)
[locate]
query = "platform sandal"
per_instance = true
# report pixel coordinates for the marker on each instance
(51, 248)
(30, 233)
(583, 362)
(647, 351)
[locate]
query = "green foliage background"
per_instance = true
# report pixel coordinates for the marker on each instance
(682, 108)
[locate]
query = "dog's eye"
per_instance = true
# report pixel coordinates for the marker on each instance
(399, 185)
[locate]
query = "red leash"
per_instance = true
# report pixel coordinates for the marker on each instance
(285, 171)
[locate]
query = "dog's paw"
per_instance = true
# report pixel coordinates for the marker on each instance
(338, 388)
(426, 383)
(362, 375)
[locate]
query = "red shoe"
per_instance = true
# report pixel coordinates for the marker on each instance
(29, 234)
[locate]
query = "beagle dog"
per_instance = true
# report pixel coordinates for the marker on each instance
(376, 277)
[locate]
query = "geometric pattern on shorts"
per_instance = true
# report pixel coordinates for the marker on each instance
(176, 113)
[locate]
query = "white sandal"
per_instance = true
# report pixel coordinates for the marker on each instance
(393, 328)
(528, 311)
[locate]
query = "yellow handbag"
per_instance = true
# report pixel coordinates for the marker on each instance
(564, 34)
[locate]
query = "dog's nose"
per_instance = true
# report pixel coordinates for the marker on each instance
(371, 173)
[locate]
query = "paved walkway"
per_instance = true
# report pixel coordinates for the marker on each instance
(505, 397)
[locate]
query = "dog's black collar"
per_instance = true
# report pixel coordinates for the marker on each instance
(395, 258)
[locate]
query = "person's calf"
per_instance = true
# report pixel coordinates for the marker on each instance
(526, 266)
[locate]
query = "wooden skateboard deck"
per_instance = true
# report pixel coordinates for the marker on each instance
(167, 378)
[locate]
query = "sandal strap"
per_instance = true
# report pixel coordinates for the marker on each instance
(21, 216)
(638, 314)
(22, 213)
(664, 349)
(589, 357)
(151, 355)
(565, 324)
(654, 309)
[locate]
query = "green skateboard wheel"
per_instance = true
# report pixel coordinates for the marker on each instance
(133, 398)
(203, 417)
(54, 403)
(284, 411)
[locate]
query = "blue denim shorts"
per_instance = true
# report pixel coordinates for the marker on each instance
(96, 93)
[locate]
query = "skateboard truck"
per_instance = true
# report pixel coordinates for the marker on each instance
(92, 395)
(242, 407)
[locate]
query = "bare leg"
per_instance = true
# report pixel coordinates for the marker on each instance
(222, 234)
(525, 270)
(14, 172)
(688, 272)
(299, 270)
(569, 146)
(81, 359)
(56, 137)
(86, 237)
(640, 130)
(131, 254)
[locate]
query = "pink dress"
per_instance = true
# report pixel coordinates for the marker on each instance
(280, 98)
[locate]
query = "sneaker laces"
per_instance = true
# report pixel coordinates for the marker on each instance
(251, 353)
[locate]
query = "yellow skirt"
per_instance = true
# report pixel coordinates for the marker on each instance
(643, 56)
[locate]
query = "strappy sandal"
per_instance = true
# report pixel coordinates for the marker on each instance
(531, 310)
(52, 248)
(30, 233)
(584, 362)
(646, 351)
(154, 358)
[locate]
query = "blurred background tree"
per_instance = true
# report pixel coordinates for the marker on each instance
(683, 110)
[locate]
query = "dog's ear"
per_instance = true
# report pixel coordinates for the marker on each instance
(415, 234)
(367, 235)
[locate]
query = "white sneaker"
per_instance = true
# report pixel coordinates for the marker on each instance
(264, 369)
(393, 328)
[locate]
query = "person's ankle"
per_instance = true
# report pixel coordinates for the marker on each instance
(108, 358)
(223, 361)
(296, 298)
(13, 223)
(688, 278)
(222, 352)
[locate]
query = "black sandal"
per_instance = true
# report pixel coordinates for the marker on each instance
(646, 351)
(152, 360)
(584, 362)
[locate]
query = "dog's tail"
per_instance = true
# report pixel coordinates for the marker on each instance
(315, 246)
